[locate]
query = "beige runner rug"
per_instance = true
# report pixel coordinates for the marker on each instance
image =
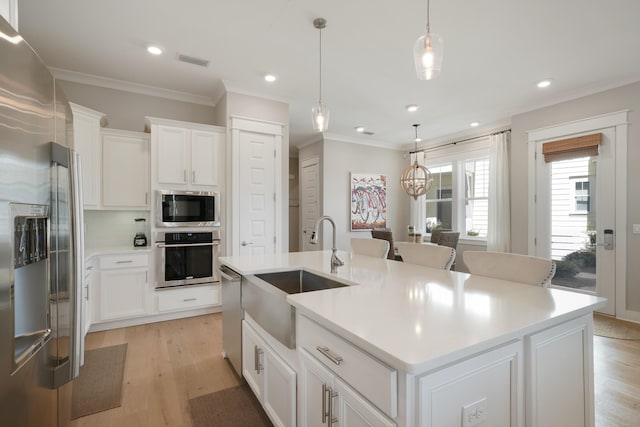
(99, 386)
(610, 327)
(232, 407)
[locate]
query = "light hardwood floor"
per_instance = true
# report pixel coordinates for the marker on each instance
(169, 363)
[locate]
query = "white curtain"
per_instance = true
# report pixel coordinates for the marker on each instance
(499, 230)
(418, 213)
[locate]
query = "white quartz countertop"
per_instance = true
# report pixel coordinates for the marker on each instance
(416, 318)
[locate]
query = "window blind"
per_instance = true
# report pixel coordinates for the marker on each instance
(572, 148)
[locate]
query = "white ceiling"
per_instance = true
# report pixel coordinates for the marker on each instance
(495, 52)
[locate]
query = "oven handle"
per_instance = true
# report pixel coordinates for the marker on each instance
(187, 245)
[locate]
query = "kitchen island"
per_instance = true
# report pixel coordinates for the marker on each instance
(434, 348)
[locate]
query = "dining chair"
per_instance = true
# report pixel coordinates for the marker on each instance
(433, 256)
(385, 234)
(376, 248)
(507, 266)
(450, 239)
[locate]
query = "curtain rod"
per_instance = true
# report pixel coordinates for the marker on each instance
(422, 150)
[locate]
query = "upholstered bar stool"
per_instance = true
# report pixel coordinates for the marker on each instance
(428, 255)
(515, 267)
(376, 248)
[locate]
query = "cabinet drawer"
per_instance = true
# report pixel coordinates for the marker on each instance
(369, 376)
(124, 261)
(184, 299)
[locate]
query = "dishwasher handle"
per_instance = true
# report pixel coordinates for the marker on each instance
(229, 274)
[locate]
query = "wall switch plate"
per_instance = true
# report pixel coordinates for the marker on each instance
(636, 228)
(474, 413)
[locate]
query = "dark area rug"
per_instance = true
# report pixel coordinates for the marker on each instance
(232, 407)
(610, 327)
(99, 386)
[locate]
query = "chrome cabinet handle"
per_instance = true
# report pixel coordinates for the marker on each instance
(189, 299)
(193, 176)
(184, 174)
(329, 355)
(246, 243)
(257, 352)
(146, 198)
(324, 403)
(124, 262)
(87, 293)
(327, 405)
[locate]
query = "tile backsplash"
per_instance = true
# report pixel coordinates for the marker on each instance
(113, 228)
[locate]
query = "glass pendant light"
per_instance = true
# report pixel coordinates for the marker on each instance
(320, 113)
(427, 53)
(416, 179)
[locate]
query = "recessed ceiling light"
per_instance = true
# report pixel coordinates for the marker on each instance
(412, 108)
(154, 50)
(474, 124)
(544, 83)
(359, 129)
(417, 139)
(270, 78)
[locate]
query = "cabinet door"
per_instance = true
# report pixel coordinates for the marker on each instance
(279, 392)
(205, 147)
(86, 141)
(125, 171)
(313, 379)
(172, 155)
(123, 293)
(253, 360)
(352, 410)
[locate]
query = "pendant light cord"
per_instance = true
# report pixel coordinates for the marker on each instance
(428, 29)
(320, 70)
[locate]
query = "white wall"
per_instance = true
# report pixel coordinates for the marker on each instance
(622, 98)
(127, 110)
(104, 229)
(342, 158)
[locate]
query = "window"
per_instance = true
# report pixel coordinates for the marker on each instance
(439, 201)
(581, 197)
(476, 215)
(459, 197)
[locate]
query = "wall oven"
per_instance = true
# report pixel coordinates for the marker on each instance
(187, 258)
(188, 208)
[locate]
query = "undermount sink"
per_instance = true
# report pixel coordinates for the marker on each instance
(264, 298)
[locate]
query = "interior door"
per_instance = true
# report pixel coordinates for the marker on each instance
(257, 195)
(575, 218)
(310, 200)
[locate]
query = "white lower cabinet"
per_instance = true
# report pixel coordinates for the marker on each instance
(561, 354)
(323, 396)
(124, 280)
(271, 379)
(484, 390)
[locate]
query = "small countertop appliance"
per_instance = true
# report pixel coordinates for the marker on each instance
(140, 238)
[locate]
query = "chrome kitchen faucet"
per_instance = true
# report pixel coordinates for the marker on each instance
(335, 261)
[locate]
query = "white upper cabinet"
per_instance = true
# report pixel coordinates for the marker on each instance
(185, 155)
(125, 169)
(9, 11)
(86, 141)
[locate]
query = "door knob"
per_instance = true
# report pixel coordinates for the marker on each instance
(246, 243)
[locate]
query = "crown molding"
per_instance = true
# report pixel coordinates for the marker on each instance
(106, 82)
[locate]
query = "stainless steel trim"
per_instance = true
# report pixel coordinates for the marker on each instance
(329, 355)
(190, 245)
(228, 273)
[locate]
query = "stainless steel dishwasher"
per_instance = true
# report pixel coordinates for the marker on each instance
(232, 316)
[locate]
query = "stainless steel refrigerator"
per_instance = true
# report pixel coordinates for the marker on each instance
(40, 242)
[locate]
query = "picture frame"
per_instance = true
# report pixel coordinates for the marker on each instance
(368, 201)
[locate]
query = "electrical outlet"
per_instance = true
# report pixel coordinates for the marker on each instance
(474, 413)
(636, 228)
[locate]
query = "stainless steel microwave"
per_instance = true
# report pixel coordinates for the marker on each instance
(188, 209)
